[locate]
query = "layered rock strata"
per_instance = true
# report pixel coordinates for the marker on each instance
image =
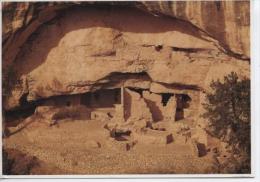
(89, 48)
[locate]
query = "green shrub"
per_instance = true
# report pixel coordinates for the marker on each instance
(228, 112)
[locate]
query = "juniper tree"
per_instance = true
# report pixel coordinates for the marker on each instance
(228, 112)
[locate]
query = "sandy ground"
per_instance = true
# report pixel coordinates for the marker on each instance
(85, 147)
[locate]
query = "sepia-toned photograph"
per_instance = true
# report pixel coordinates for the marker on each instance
(126, 87)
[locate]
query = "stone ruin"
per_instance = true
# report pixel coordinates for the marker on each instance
(144, 76)
(131, 115)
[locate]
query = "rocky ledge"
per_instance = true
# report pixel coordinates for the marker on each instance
(70, 48)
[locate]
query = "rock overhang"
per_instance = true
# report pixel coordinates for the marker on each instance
(79, 51)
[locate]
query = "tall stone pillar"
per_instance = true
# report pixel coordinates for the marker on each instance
(119, 108)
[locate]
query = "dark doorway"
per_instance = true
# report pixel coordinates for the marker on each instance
(165, 98)
(68, 103)
(183, 102)
(103, 98)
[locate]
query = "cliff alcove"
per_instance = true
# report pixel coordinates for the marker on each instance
(118, 77)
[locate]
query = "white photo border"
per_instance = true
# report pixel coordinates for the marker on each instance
(255, 126)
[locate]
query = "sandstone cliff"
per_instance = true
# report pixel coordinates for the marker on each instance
(227, 22)
(70, 48)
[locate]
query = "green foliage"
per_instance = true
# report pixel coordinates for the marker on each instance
(228, 111)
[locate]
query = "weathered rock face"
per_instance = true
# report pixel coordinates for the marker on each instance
(227, 22)
(87, 48)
